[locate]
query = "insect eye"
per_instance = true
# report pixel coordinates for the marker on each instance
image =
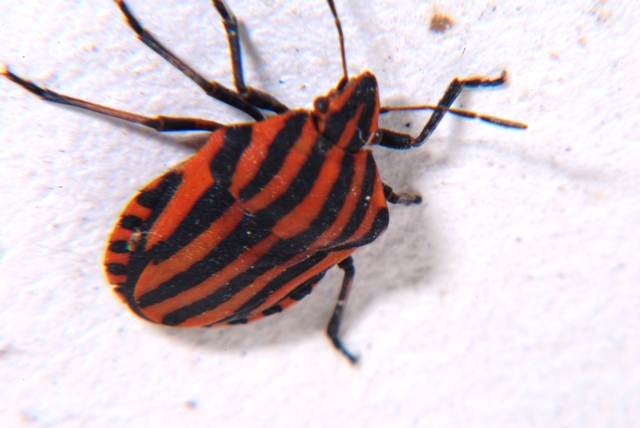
(321, 104)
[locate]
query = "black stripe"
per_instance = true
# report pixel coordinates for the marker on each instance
(277, 153)
(218, 297)
(119, 247)
(150, 198)
(162, 194)
(275, 309)
(211, 205)
(223, 165)
(117, 269)
(378, 226)
(364, 94)
(280, 281)
(238, 283)
(337, 122)
(363, 204)
(304, 289)
(367, 94)
(298, 189)
(278, 254)
(331, 208)
(139, 258)
(131, 222)
(128, 296)
(248, 233)
(251, 230)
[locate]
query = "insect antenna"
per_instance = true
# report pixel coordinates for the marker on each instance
(336, 19)
(468, 114)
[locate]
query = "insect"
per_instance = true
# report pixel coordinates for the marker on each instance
(251, 223)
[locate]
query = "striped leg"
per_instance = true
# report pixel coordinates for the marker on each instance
(397, 140)
(251, 95)
(211, 88)
(295, 296)
(159, 123)
(400, 198)
(334, 324)
(336, 20)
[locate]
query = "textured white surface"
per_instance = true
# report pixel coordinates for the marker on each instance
(510, 298)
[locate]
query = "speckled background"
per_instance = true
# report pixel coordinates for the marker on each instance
(509, 298)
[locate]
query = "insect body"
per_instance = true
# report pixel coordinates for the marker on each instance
(253, 221)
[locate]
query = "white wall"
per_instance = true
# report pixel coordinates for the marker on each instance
(509, 298)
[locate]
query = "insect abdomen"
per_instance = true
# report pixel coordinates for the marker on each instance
(268, 207)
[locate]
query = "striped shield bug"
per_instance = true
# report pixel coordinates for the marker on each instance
(251, 223)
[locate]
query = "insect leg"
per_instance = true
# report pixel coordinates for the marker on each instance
(400, 198)
(334, 324)
(159, 123)
(251, 95)
(211, 88)
(397, 140)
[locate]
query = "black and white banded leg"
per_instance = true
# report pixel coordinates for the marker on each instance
(159, 123)
(398, 140)
(400, 198)
(334, 324)
(253, 96)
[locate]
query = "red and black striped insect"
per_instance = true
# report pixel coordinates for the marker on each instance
(252, 222)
